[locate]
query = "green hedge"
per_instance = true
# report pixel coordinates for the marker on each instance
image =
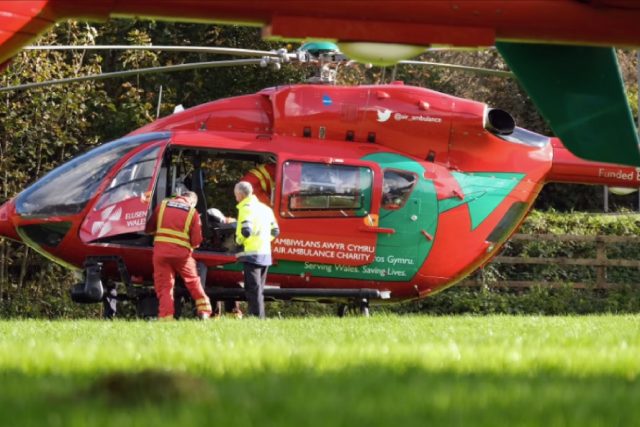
(575, 224)
(537, 300)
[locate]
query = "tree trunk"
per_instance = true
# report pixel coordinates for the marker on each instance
(3, 244)
(2, 270)
(23, 267)
(25, 260)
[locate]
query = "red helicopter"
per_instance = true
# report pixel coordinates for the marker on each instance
(381, 191)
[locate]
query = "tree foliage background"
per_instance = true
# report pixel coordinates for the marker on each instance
(42, 128)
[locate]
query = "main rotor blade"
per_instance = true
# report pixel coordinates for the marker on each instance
(151, 70)
(477, 70)
(193, 49)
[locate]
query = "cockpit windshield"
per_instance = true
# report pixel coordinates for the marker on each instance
(132, 180)
(67, 189)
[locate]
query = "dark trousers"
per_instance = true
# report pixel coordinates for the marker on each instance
(255, 277)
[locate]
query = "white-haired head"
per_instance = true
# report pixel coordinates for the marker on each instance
(242, 190)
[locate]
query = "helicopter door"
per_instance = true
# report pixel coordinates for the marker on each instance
(329, 212)
(121, 209)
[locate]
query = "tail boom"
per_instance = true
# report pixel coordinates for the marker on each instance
(567, 168)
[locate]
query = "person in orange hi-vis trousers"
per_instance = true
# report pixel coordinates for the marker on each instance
(177, 229)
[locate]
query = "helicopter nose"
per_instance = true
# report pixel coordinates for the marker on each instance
(6, 227)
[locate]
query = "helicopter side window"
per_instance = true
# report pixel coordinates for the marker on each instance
(132, 180)
(67, 189)
(396, 188)
(321, 190)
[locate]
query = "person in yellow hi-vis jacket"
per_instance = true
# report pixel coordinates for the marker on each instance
(177, 231)
(256, 228)
(262, 180)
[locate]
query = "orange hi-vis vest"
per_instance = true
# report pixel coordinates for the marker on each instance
(168, 235)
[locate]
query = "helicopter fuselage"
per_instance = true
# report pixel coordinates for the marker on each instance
(391, 187)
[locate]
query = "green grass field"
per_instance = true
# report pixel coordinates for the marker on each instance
(461, 371)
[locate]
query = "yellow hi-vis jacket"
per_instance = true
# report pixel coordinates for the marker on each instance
(256, 228)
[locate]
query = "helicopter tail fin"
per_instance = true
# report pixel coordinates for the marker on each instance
(580, 92)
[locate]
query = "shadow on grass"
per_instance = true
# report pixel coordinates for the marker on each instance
(365, 395)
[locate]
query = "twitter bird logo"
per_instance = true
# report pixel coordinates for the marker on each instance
(384, 115)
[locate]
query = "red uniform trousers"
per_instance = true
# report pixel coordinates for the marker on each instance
(167, 261)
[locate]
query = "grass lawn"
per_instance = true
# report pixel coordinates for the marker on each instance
(382, 371)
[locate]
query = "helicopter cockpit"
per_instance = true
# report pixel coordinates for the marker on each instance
(67, 190)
